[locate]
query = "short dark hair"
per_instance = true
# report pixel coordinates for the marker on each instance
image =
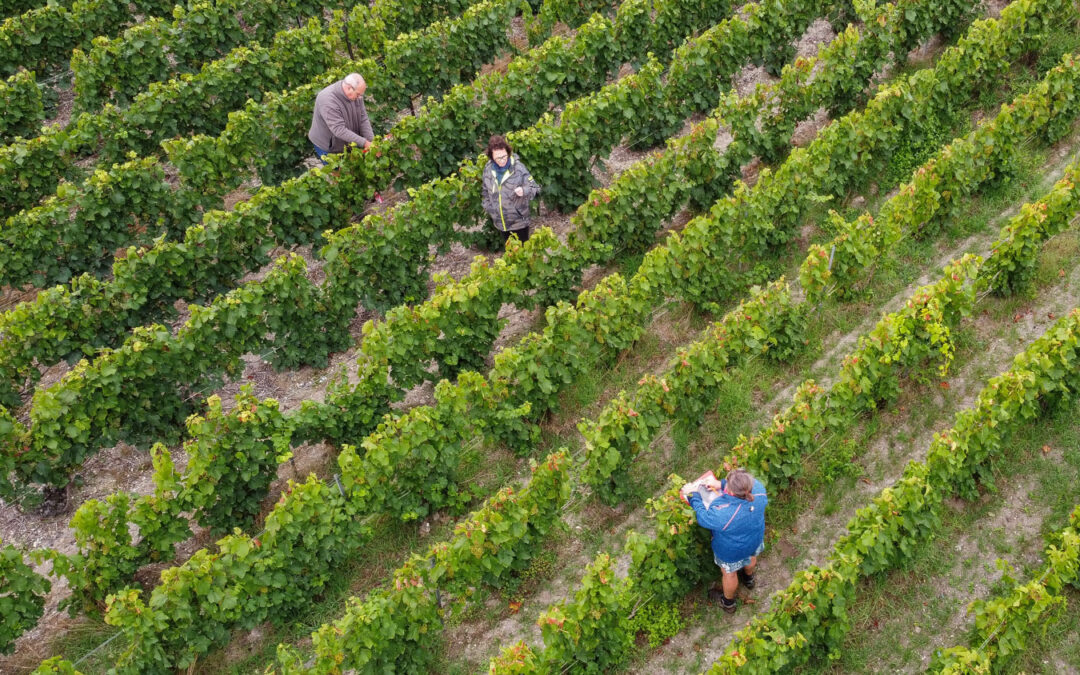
(497, 142)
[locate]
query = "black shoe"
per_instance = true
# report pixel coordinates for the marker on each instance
(746, 580)
(716, 595)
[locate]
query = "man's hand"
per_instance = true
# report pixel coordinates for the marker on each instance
(519, 192)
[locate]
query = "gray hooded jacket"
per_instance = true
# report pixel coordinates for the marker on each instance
(507, 210)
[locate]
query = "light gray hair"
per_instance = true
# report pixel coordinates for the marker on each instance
(741, 484)
(354, 80)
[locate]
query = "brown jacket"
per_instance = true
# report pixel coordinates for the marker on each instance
(337, 121)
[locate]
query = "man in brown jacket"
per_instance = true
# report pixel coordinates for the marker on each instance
(340, 117)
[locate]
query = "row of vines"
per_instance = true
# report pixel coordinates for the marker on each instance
(316, 527)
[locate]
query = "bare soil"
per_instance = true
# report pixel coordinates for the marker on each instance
(475, 642)
(774, 574)
(64, 104)
(818, 33)
(905, 438)
(125, 468)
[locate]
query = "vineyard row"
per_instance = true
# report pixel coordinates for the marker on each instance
(291, 304)
(43, 37)
(366, 477)
(707, 138)
(676, 559)
(201, 102)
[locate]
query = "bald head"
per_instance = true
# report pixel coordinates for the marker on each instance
(354, 86)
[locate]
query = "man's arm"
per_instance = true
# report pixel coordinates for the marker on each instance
(335, 122)
(365, 124)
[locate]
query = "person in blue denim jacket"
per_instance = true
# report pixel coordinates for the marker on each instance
(736, 518)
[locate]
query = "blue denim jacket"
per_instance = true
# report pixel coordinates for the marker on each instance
(738, 525)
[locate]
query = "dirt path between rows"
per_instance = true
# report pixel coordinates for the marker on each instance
(812, 538)
(124, 468)
(905, 438)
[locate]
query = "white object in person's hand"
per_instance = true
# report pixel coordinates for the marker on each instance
(684, 492)
(519, 192)
(711, 481)
(706, 485)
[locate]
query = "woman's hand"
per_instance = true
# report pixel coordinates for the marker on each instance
(684, 492)
(519, 192)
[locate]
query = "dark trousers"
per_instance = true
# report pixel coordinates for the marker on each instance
(522, 234)
(321, 154)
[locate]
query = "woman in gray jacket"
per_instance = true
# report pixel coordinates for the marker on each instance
(508, 189)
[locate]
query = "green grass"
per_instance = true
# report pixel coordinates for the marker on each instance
(890, 606)
(483, 470)
(833, 466)
(1056, 649)
(737, 411)
(1025, 182)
